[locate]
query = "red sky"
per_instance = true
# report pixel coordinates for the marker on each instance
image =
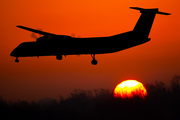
(33, 78)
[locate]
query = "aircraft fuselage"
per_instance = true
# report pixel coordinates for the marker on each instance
(78, 46)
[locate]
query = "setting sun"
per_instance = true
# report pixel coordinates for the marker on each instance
(128, 88)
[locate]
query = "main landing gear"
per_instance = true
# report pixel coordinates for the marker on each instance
(16, 60)
(59, 57)
(94, 61)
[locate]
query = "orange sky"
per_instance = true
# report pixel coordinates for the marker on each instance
(33, 78)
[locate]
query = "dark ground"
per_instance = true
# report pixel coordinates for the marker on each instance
(161, 103)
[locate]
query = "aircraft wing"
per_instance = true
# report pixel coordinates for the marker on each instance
(36, 31)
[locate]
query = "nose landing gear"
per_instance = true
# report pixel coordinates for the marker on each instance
(94, 61)
(16, 60)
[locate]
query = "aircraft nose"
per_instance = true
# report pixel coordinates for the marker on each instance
(13, 53)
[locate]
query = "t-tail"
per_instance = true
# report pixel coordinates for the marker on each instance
(144, 24)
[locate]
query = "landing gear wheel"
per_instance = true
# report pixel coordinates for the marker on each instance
(16, 60)
(94, 62)
(59, 57)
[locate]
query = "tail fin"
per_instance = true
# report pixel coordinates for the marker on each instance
(144, 24)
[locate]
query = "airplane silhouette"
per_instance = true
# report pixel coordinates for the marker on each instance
(58, 45)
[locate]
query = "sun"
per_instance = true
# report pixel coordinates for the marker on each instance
(129, 88)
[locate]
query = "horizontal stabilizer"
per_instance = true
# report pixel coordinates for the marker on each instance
(150, 10)
(163, 13)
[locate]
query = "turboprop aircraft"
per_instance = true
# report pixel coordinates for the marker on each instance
(62, 45)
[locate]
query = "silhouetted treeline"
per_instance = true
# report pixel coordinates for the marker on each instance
(161, 103)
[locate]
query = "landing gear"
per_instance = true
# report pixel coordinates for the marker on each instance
(94, 61)
(16, 60)
(59, 57)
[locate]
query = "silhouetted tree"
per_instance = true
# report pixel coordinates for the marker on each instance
(175, 84)
(160, 103)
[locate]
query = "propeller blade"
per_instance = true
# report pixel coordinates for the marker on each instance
(35, 35)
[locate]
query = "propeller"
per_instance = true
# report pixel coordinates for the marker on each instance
(74, 36)
(36, 35)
